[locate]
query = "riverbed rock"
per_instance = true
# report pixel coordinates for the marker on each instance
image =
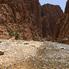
(20, 54)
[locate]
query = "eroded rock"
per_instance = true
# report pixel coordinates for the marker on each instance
(19, 17)
(50, 15)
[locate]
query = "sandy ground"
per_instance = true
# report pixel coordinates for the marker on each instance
(20, 54)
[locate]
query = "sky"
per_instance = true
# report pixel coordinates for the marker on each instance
(62, 3)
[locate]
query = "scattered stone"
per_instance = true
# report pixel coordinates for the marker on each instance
(1, 53)
(43, 55)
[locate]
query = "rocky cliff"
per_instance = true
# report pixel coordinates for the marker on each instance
(50, 15)
(67, 7)
(28, 20)
(63, 26)
(55, 23)
(21, 18)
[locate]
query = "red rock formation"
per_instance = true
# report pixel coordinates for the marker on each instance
(3, 32)
(26, 19)
(50, 15)
(63, 29)
(67, 7)
(19, 17)
(63, 26)
(35, 11)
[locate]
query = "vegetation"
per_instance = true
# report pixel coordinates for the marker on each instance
(15, 34)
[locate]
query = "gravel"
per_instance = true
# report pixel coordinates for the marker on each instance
(20, 54)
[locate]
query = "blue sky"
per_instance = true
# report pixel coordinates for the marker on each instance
(62, 3)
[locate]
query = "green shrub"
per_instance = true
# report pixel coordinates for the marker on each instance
(15, 34)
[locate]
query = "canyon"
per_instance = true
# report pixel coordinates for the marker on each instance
(33, 36)
(28, 20)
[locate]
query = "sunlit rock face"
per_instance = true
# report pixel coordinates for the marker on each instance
(21, 17)
(35, 11)
(50, 14)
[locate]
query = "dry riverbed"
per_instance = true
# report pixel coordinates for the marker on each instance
(20, 54)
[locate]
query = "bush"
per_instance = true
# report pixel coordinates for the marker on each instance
(15, 34)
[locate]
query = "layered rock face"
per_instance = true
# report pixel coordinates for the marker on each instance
(20, 17)
(63, 29)
(55, 23)
(50, 15)
(34, 9)
(28, 20)
(63, 26)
